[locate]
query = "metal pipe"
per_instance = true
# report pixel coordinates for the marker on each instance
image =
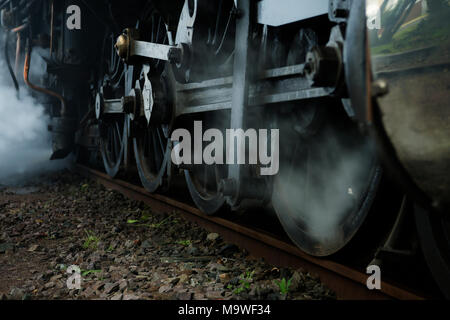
(16, 69)
(20, 28)
(52, 17)
(26, 73)
(8, 63)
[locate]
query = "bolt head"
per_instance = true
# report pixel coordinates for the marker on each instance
(98, 105)
(380, 88)
(175, 55)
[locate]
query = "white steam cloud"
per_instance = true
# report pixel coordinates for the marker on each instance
(25, 143)
(325, 187)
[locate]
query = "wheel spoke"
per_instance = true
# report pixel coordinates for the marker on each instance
(118, 133)
(159, 27)
(146, 144)
(161, 143)
(153, 28)
(110, 143)
(118, 145)
(114, 144)
(156, 152)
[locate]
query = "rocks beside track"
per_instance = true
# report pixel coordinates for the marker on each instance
(124, 251)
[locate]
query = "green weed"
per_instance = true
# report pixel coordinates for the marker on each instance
(284, 285)
(90, 241)
(244, 282)
(85, 273)
(185, 243)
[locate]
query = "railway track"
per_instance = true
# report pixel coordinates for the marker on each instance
(348, 283)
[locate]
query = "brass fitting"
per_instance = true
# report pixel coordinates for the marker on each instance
(123, 46)
(123, 43)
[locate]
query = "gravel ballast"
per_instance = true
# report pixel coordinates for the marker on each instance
(124, 251)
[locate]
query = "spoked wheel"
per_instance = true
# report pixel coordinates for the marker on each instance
(113, 128)
(203, 182)
(113, 140)
(434, 235)
(203, 179)
(152, 146)
(328, 175)
(213, 49)
(152, 154)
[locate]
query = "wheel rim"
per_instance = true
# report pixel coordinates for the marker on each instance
(152, 147)
(203, 183)
(202, 179)
(113, 144)
(152, 154)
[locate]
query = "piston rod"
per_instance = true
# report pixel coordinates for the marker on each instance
(128, 46)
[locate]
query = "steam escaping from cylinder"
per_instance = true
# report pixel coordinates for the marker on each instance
(25, 143)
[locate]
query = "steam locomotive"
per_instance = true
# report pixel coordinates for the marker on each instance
(358, 91)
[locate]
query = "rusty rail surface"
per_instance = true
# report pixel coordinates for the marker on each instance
(348, 283)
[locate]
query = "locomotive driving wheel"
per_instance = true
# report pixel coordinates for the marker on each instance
(203, 183)
(328, 174)
(113, 127)
(152, 146)
(212, 52)
(203, 179)
(325, 187)
(152, 154)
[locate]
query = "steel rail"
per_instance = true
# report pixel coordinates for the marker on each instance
(347, 283)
